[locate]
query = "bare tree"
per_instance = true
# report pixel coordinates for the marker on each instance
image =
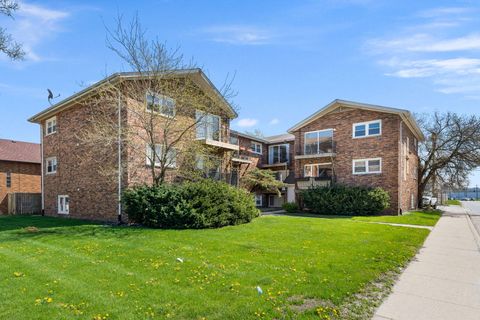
(451, 150)
(165, 110)
(7, 45)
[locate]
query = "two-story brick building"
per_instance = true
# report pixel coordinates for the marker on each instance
(20, 169)
(86, 181)
(345, 142)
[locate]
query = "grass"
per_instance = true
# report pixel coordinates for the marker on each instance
(67, 269)
(420, 218)
(453, 202)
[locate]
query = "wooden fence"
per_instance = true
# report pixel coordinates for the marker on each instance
(24, 203)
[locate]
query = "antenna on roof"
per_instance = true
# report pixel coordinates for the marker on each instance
(50, 96)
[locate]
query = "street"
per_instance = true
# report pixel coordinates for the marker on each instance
(473, 209)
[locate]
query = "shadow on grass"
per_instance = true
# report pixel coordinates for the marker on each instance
(8, 223)
(309, 215)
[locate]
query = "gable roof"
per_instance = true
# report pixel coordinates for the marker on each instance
(197, 74)
(19, 151)
(404, 114)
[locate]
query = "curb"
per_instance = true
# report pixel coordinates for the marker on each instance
(474, 230)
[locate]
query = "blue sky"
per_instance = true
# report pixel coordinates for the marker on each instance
(289, 57)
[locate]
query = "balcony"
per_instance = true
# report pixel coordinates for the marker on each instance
(220, 144)
(230, 177)
(239, 157)
(326, 148)
(312, 182)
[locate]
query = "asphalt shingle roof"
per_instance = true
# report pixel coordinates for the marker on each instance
(19, 151)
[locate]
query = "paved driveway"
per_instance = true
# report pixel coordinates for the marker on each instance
(473, 209)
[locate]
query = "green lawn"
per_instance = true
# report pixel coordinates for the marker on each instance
(453, 202)
(422, 218)
(75, 270)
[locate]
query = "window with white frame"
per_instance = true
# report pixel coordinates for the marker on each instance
(51, 165)
(317, 142)
(258, 200)
(208, 126)
(256, 147)
(63, 204)
(278, 153)
(51, 126)
(367, 166)
(155, 155)
(367, 129)
(317, 170)
(161, 104)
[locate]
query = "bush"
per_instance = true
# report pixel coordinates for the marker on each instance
(203, 204)
(346, 200)
(162, 206)
(290, 207)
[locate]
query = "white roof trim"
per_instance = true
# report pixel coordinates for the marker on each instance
(404, 114)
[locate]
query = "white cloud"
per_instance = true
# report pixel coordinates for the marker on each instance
(274, 121)
(247, 122)
(239, 34)
(439, 47)
(33, 25)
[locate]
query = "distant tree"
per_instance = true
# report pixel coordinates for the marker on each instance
(7, 45)
(451, 150)
(256, 133)
(261, 180)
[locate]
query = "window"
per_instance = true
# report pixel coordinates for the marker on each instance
(63, 204)
(317, 142)
(8, 181)
(412, 201)
(415, 172)
(367, 129)
(234, 139)
(278, 154)
(51, 165)
(271, 200)
(258, 200)
(51, 125)
(157, 153)
(208, 126)
(366, 166)
(317, 170)
(161, 104)
(256, 147)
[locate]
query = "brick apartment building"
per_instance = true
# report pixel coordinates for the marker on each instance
(20, 169)
(344, 142)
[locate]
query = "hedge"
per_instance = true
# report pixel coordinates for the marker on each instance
(345, 200)
(203, 204)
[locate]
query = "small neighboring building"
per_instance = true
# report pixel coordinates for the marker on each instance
(20, 169)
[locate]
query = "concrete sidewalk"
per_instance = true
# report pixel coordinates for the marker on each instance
(443, 281)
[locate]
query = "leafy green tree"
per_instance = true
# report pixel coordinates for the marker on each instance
(261, 180)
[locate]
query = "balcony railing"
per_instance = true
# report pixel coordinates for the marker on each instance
(322, 149)
(230, 177)
(312, 182)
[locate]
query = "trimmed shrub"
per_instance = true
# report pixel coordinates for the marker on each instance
(290, 207)
(203, 204)
(218, 204)
(346, 200)
(161, 206)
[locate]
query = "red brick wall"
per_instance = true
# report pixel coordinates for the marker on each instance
(81, 171)
(25, 177)
(384, 146)
(408, 164)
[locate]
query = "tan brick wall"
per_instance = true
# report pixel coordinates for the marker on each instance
(384, 146)
(25, 177)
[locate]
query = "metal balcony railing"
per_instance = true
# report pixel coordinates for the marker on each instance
(324, 147)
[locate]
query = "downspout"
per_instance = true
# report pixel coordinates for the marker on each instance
(119, 157)
(400, 169)
(42, 185)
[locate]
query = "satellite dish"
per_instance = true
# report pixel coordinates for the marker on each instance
(50, 96)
